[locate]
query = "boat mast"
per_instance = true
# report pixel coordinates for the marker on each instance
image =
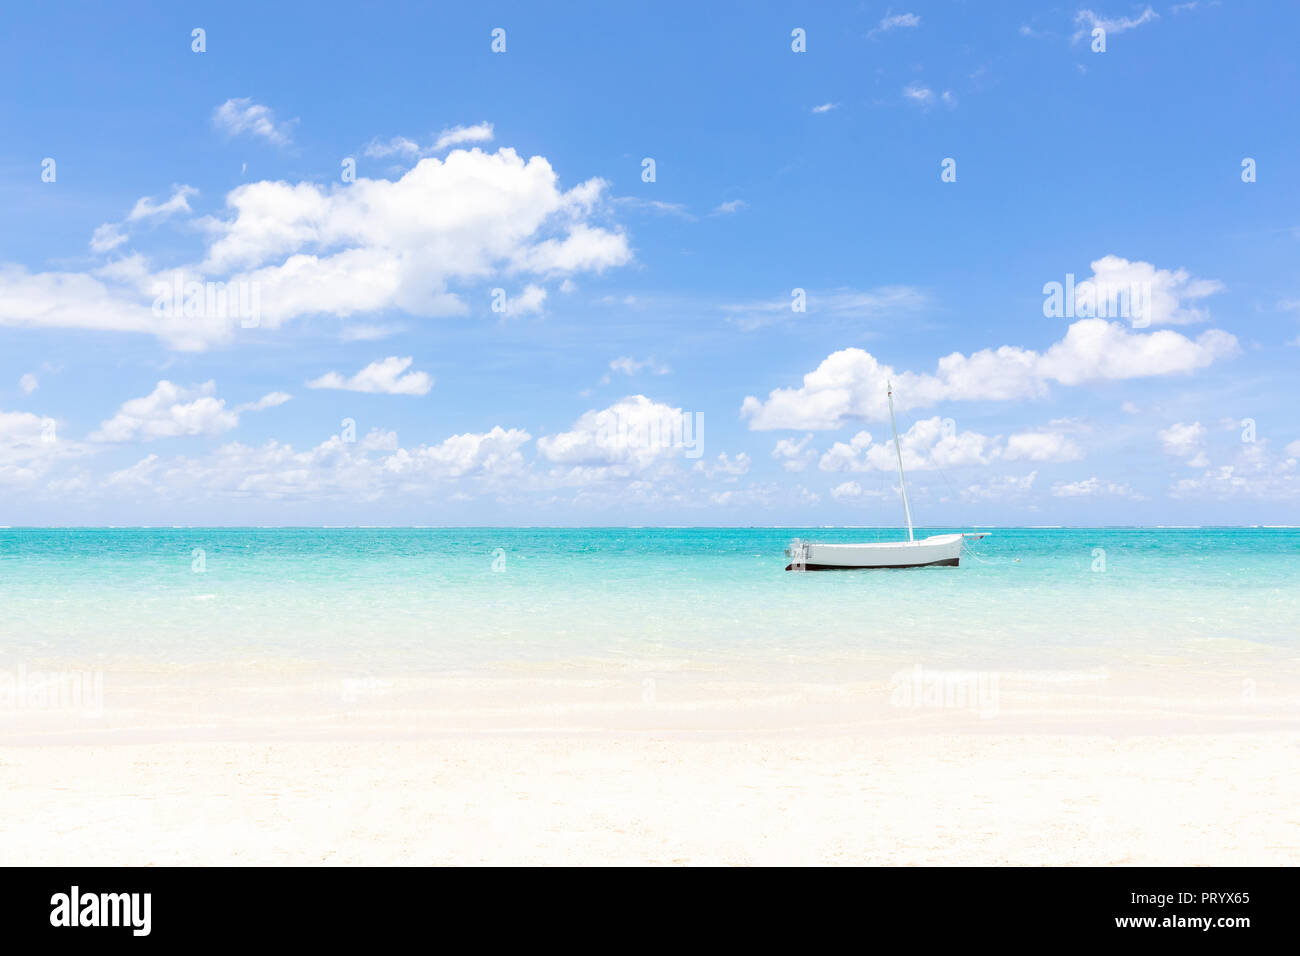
(907, 512)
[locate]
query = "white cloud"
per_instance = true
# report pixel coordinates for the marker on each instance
(28, 383)
(729, 207)
(527, 302)
(110, 235)
(172, 411)
(1006, 486)
(367, 332)
(147, 208)
(242, 115)
(344, 250)
(927, 445)
(30, 445)
(895, 21)
(452, 136)
(1092, 488)
(1256, 473)
(794, 455)
(920, 95)
(387, 376)
(1041, 446)
(850, 384)
(1184, 440)
(458, 135)
(495, 452)
(1087, 21)
(270, 400)
(633, 434)
(1154, 296)
(631, 366)
(107, 237)
(363, 470)
(934, 443)
(724, 465)
(851, 491)
(659, 206)
(397, 146)
(825, 107)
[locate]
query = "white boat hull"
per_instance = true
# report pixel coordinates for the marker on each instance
(940, 550)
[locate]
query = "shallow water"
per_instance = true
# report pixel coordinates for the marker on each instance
(439, 600)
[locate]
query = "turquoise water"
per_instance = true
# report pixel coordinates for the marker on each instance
(620, 599)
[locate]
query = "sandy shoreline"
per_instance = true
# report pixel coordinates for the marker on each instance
(541, 799)
(1081, 768)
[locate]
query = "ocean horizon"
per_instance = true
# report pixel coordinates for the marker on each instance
(633, 600)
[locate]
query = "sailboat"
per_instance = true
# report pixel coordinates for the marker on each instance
(938, 550)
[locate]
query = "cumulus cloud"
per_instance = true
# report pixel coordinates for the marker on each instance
(724, 466)
(794, 455)
(495, 452)
(850, 491)
(172, 411)
(1001, 487)
(528, 302)
(388, 376)
(935, 443)
(1041, 446)
(634, 434)
(1184, 440)
(28, 383)
(763, 496)
(30, 445)
(927, 445)
(237, 116)
(850, 384)
(346, 249)
(1256, 473)
(825, 107)
(363, 470)
(1152, 296)
(1093, 488)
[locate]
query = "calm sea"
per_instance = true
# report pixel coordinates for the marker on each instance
(617, 600)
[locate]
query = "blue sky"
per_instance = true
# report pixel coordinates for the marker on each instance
(632, 304)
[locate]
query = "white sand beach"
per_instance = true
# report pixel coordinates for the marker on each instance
(501, 770)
